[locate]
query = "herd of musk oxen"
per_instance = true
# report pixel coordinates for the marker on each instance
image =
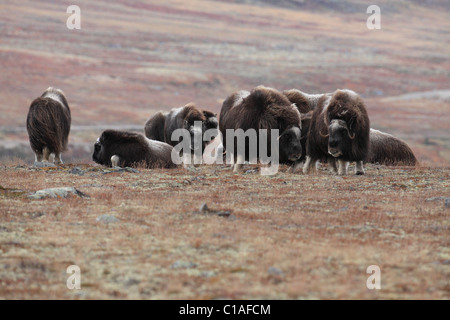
(332, 128)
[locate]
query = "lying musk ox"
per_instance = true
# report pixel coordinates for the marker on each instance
(339, 130)
(48, 125)
(127, 149)
(163, 124)
(262, 108)
(388, 150)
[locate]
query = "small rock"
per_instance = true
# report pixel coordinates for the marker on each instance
(275, 271)
(183, 265)
(106, 218)
(77, 171)
(204, 208)
(131, 282)
(44, 164)
(63, 192)
(447, 203)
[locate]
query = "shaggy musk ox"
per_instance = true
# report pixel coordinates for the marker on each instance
(48, 125)
(262, 108)
(305, 104)
(388, 150)
(339, 130)
(162, 125)
(126, 149)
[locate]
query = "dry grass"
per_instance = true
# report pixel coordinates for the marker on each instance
(288, 237)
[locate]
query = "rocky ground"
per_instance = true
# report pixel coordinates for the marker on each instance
(147, 234)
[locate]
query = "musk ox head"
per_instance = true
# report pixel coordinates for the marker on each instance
(211, 122)
(290, 144)
(339, 138)
(195, 129)
(348, 126)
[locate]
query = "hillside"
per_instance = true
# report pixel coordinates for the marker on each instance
(131, 59)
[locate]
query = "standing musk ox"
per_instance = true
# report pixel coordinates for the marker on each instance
(388, 150)
(163, 124)
(262, 108)
(127, 149)
(340, 129)
(48, 125)
(305, 104)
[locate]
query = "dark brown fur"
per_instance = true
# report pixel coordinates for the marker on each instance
(48, 124)
(305, 105)
(133, 149)
(348, 108)
(263, 108)
(388, 150)
(162, 125)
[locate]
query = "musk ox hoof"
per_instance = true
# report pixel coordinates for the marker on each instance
(360, 173)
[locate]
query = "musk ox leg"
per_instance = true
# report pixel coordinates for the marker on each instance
(343, 167)
(115, 160)
(237, 167)
(359, 168)
(45, 154)
(295, 167)
(332, 165)
(309, 165)
(38, 157)
(58, 159)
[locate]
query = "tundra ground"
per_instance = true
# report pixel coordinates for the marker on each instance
(140, 235)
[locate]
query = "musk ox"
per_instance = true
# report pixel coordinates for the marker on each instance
(388, 150)
(163, 124)
(339, 130)
(305, 104)
(126, 149)
(48, 125)
(262, 108)
(211, 123)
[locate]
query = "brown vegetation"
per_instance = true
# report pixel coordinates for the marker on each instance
(314, 241)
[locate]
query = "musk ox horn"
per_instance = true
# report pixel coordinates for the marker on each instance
(351, 136)
(324, 135)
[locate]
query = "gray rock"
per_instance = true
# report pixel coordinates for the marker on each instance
(63, 192)
(106, 218)
(44, 164)
(447, 203)
(183, 265)
(77, 171)
(275, 271)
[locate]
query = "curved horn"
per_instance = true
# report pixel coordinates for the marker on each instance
(351, 136)
(324, 135)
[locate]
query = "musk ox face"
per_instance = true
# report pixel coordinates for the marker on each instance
(339, 138)
(211, 122)
(99, 156)
(290, 144)
(196, 130)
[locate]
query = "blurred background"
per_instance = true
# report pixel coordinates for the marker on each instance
(131, 59)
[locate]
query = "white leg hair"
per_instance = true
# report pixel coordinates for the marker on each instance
(332, 165)
(343, 167)
(57, 159)
(309, 164)
(115, 160)
(45, 154)
(239, 163)
(359, 168)
(38, 157)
